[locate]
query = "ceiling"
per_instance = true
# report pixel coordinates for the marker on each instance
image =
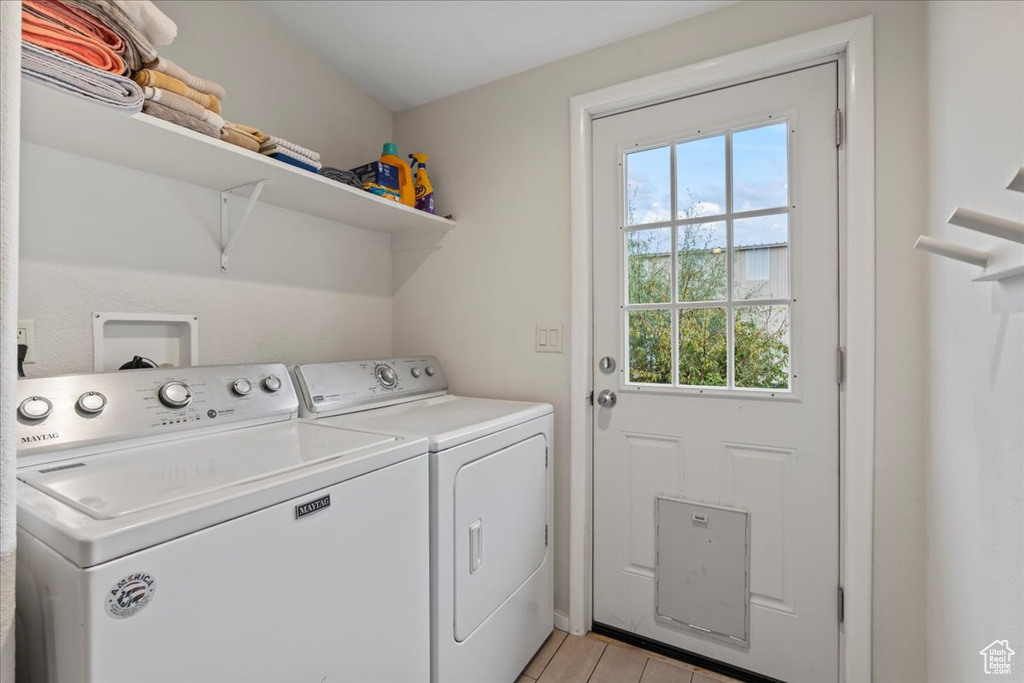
(406, 53)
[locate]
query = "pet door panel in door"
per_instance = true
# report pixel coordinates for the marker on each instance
(702, 568)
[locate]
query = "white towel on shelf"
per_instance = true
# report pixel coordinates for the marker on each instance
(298, 149)
(158, 28)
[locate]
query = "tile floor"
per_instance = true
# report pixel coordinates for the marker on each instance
(596, 659)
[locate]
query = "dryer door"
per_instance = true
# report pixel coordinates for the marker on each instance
(500, 535)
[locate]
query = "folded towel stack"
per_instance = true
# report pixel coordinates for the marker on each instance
(72, 33)
(80, 80)
(156, 26)
(291, 153)
(183, 105)
(194, 101)
(242, 136)
(85, 47)
(341, 176)
(137, 50)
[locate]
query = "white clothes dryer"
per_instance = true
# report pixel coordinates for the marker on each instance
(491, 510)
(180, 525)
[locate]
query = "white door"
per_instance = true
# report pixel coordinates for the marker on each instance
(716, 294)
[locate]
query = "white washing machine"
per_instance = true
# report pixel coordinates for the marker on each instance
(491, 585)
(180, 525)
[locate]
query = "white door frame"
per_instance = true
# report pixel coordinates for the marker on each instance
(854, 39)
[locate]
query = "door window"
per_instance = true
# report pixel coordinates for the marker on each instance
(707, 265)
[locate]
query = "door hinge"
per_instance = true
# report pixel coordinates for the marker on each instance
(840, 365)
(842, 605)
(839, 128)
(545, 534)
(590, 398)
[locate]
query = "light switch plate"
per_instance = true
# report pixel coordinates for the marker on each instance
(27, 335)
(548, 338)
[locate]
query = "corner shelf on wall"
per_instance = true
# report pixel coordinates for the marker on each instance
(996, 264)
(55, 119)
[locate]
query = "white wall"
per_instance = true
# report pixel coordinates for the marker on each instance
(97, 237)
(275, 83)
(500, 164)
(975, 473)
(300, 288)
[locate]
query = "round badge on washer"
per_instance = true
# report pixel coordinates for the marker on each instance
(130, 595)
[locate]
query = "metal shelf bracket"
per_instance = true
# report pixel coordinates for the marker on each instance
(228, 237)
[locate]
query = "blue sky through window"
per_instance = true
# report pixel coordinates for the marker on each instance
(760, 181)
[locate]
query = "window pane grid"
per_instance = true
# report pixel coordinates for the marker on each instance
(761, 320)
(674, 250)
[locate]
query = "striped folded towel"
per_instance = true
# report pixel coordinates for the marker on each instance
(184, 105)
(281, 143)
(178, 118)
(276, 149)
(157, 79)
(166, 66)
(79, 79)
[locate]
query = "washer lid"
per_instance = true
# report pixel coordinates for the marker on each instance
(446, 421)
(112, 485)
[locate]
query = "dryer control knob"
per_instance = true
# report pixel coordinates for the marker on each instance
(91, 403)
(175, 394)
(272, 383)
(430, 370)
(241, 386)
(416, 373)
(387, 376)
(35, 408)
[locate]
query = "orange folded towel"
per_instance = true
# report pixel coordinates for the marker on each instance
(73, 34)
(155, 79)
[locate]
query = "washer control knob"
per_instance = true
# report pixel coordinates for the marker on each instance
(175, 394)
(416, 373)
(35, 408)
(272, 383)
(241, 386)
(430, 370)
(386, 375)
(91, 403)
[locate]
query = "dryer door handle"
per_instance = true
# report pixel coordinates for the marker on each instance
(476, 545)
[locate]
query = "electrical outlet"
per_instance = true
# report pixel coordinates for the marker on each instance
(27, 335)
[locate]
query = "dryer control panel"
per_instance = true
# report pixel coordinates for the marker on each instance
(73, 412)
(328, 389)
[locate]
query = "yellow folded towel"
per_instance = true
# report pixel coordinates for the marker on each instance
(236, 136)
(254, 132)
(155, 79)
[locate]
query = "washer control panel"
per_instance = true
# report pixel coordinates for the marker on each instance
(347, 386)
(74, 411)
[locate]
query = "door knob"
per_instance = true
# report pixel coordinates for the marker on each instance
(606, 399)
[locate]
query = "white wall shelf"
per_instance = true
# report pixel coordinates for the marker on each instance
(145, 143)
(997, 263)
